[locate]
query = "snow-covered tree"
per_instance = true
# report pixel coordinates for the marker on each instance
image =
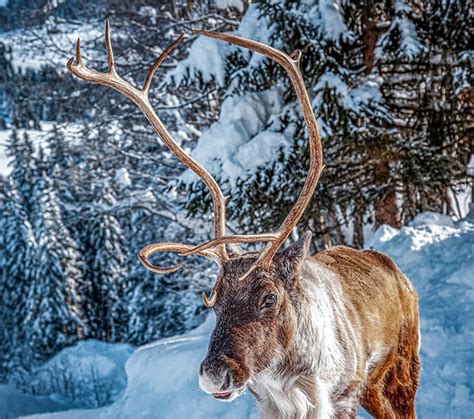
(355, 58)
(105, 268)
(20, 150)
(17, 246)
(53, 306)
(423, 56)
(265, 166)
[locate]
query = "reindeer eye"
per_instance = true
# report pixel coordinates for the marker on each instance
(269, 301)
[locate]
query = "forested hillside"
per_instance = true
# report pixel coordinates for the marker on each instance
(86, 183)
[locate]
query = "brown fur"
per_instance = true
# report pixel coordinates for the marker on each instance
(378, 302)
(383, 300)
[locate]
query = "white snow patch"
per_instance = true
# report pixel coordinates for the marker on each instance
(432, 218)
(122, 177)
(222, 4)
(207, 57)
(332, 22)
(28, 51)
(235, 144)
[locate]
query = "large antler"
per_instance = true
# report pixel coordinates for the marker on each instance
(291, 64)
(140, 96)
(215, 249)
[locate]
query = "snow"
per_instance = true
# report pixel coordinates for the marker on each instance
(88, 374)
(222, 4)
(28, 50)
(4, 169)
(235, 145)
(432, 218)
(356, 98)
(14, 403)
(123, 178)
(38, 137)
(332, 23)
(207, 57)
(163, 383)
(435, 253)
(410, 45)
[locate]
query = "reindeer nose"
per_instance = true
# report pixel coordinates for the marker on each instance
(217, 372)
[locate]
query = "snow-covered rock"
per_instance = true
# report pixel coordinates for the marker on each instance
(432, 218)
(435, 254)
(88, 374)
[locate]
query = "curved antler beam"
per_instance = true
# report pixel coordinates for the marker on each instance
(152, 249)
(291, 64)
(237, 238)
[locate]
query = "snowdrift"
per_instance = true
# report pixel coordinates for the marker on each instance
(436, 254)
(88, 374)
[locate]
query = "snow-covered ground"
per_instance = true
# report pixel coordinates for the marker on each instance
(436, 254)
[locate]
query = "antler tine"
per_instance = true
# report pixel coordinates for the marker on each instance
(152, 249)
(108, 47)
(159, 60)
(78, 52)
(212, 301)
(291, 64)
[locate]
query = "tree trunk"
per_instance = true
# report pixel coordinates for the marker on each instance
(386, 211)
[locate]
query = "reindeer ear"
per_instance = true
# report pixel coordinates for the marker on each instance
(290, 259)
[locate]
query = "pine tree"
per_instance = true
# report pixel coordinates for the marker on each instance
(6, 74)
(54, 316)
(17, 246)
(106, 271)
(428, 80)
(351, 112)
(20, 150)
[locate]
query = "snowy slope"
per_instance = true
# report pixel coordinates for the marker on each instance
(438, 257)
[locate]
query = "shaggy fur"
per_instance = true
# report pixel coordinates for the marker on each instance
(343, 331)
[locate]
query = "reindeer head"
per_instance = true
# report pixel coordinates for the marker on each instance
(255, 320)
(253, 293)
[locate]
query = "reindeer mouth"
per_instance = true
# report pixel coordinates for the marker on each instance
(222, 396)
(228, 396)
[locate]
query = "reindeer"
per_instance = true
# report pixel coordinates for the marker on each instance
(308, 336)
